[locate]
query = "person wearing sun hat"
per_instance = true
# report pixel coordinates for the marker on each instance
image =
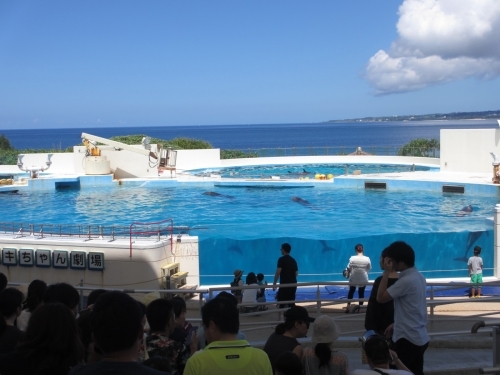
(322, 359)
(238, 281)
(284, 338)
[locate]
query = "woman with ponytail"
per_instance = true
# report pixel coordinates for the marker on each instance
(51, 345)
(323, 360)
(36, 290)
(284, 338)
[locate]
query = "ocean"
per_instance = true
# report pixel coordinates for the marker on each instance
(258, 136)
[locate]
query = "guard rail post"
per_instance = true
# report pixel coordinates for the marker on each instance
(81, 295)
(200, 302)
(432, 299)
(496, 346)
(318, 301)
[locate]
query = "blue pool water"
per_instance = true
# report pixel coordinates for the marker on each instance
(294, 171)
(244, 228)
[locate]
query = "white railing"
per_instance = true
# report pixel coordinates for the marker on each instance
(319, 302)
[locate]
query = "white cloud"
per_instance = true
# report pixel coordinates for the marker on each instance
(439, 41)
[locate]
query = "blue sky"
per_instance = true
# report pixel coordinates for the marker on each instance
(159, 63)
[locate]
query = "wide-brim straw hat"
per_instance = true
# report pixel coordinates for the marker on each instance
(325, 330)
(238, 273)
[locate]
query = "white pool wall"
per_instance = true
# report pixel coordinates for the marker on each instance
(468, 150)
(345, 159)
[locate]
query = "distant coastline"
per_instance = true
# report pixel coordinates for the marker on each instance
(485, 115)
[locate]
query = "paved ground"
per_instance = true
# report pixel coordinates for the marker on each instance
(460, 353)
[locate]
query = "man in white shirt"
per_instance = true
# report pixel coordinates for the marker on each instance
(409, 331)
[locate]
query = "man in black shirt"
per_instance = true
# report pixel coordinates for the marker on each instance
(286, 272)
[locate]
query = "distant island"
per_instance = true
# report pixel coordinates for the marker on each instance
(436, 116)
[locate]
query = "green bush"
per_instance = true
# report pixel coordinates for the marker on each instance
(5, 143)
(190, 144)
(237, 154)
(420, 147)
(8, 157)
(176, 143)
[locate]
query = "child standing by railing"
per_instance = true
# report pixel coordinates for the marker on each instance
(475, 264)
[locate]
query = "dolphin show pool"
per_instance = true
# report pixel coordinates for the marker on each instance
(295, 171)
(243, 227)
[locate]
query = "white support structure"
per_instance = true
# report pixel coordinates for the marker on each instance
(116, 144)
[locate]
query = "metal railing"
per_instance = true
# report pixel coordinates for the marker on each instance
(342, 151)
(495, 369)
(150, 231)
(157, 229)
(320, 302)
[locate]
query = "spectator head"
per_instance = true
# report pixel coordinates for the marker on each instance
(63, 293)
(359, 248)
(83, 322)
(251, 278)
(288, 364)
(377, 350)
(324, 330)
(220, 316)
(161, 317)
(228, 296)
(94, 295)
(3, 281)
(11, 301)
(297, 321)
(324, 333)
(383, 255)
(260, 276)
(286, 248)
(180, 309)
(477, 250)
(36, 291)
(116, 323)
(401, 252)
(52, 339)
(238, 274)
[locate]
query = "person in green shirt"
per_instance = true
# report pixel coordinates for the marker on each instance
(225, 354)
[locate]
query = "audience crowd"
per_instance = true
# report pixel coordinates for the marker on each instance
(45, 333)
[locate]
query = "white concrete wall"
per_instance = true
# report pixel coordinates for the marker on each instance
(194, 159)
(127, 164)
(62, 163)
(141, 271)
(347, 159)
(468, 150)
(124, 164)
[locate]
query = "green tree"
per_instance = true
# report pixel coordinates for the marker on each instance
(420, 147)
(237, 154)
(176, 143)
(4, 143)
